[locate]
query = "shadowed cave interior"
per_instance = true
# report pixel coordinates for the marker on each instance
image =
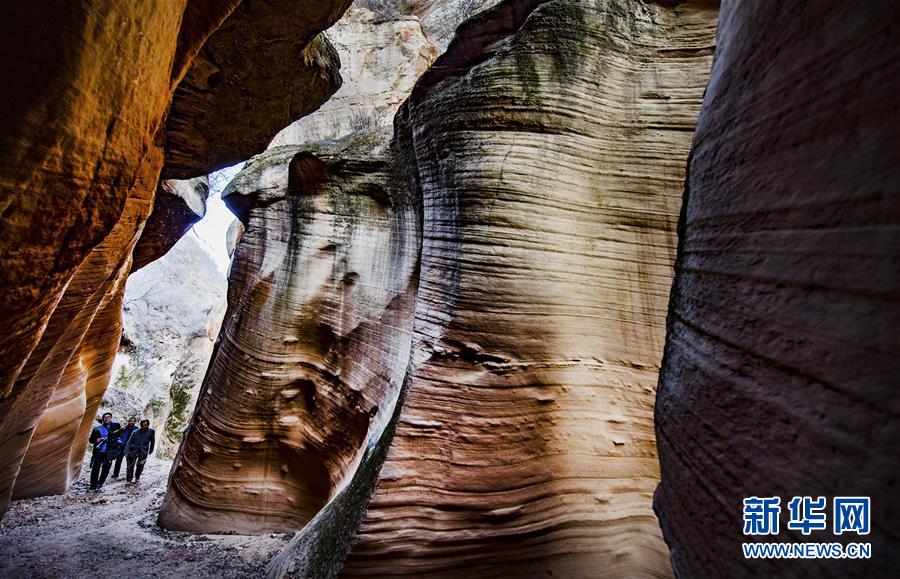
(452, 288)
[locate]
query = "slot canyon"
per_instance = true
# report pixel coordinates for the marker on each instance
(515, 288)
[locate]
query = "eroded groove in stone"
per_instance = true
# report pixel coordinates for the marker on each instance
(65, 360)
(316, 339)
(549, 144)
(782, 353)
(77, 138)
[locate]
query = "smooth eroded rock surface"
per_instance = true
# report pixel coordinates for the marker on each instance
(549, 145)
(315, 342)
(92, 82)
(63, 382)
(264, 68)
(82, 136)
(177, 206)
(782, 353)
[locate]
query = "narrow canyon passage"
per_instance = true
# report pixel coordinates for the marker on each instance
(449, 288)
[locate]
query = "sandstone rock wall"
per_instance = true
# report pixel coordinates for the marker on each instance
(782, 353)
(83, 141)
(264, 68)
(90, 93)
(315, 343)
(77, 141)
(66, 361)
(57, 447)
(550, 143)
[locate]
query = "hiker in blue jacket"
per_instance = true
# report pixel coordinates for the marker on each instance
(140, 445)
(100, 457)
(119, 453)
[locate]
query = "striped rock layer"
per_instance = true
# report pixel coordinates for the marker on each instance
(782, 353)
(544, 154)
(315, 344)
(84, 139)
(549, 145)
(78, 142)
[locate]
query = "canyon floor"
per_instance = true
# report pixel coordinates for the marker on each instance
(113, 533)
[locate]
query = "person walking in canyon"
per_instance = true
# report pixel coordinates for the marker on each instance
(122, 440)
(99, 439)
(139, 446)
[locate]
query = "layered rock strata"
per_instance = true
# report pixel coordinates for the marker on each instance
(65, 361)
(77, 133)
(57, 447)
(66, 376)
(549, 145)
(78, 366)
(782, 353)
(84, 119)
(77, 141)
(315, 342)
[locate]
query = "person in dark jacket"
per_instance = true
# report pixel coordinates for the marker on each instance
(121, 442)
(114, 450)
(140, 445)
(99, 439)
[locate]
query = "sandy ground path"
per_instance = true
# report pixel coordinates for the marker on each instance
(113, 533)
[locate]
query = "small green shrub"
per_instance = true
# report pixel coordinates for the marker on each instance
(155, 405)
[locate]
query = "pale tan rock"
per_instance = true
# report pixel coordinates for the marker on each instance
(57, 448)
(315, 343)
(549, 144)
(384, 47)
(233, 236)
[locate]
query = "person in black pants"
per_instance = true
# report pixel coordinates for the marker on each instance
(119, 453)
(99, 438)
(140, 445)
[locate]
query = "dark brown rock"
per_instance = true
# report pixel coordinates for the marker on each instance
(782, 353)
(177, 206)
(264, 68)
